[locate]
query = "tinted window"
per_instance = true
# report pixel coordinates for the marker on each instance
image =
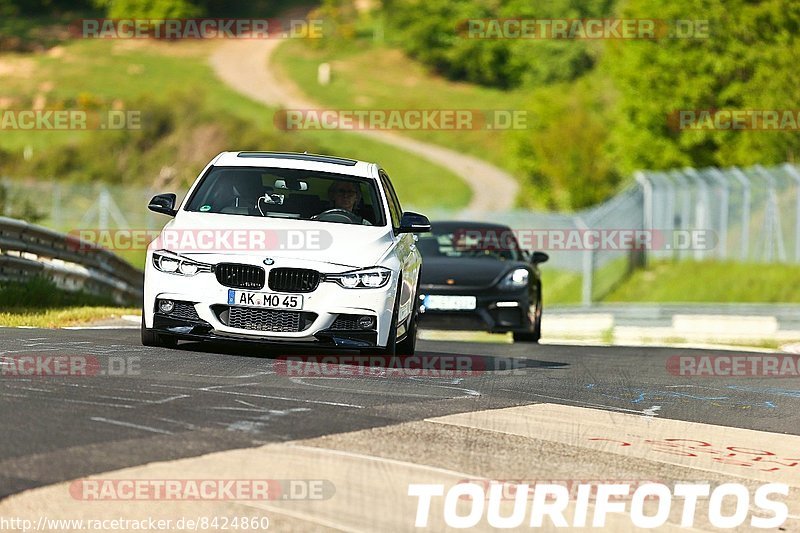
(288, 193)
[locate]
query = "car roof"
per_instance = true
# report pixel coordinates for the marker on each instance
(446, 226)
(295, 160)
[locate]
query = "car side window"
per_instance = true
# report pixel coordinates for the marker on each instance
(394, 204)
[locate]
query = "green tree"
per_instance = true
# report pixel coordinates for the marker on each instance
(435, 33)
(748, 61)
(150, 9)
(562, 154)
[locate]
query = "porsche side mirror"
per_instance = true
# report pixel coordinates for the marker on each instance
(539, 257)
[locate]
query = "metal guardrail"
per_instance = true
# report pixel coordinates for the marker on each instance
(28, 250)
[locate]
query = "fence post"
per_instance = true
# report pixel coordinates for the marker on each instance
(588, 268)
(745, 181)
(772, 218)
(672, 200)
(647, 207)
(796, 175)
(702, 207)
(686, 200)
(724, 214)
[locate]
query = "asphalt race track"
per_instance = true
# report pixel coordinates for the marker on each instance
(188, 402)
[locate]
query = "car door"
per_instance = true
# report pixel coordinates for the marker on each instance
(410, 259)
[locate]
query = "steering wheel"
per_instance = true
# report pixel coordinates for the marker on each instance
(338, 215)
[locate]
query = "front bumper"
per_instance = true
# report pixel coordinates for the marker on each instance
(512, 314)
(203, 331)
(203, 316)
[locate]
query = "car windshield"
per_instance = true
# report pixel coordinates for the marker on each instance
(288, 193)
(498, 243)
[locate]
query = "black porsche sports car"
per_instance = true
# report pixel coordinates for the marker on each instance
(475, 276)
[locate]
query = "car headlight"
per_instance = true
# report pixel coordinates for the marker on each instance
(368, 278)
(172, 263)
(516, 279)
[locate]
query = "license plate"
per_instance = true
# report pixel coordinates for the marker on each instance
(269, 300)
(450, 303)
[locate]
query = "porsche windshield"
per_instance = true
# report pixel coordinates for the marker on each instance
(288, 193)
(498, 243)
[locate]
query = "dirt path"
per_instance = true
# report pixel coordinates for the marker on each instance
(243, 65)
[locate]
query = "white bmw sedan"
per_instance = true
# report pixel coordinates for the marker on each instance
(287, 248)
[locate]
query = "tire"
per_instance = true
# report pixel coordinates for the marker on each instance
(391, 341)
(408, 345)
(536, 334)
(151, 338)
(525, 336)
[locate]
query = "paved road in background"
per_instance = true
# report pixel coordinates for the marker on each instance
(245, 66)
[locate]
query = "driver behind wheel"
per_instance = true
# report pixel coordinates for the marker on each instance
(346, 195)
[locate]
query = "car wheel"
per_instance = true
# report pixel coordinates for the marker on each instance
(536, 334)
(537, 324)
(525, 336)
(391, 341)
(151, 338)
(408, 345)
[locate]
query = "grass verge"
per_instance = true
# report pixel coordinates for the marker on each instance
(711, 281)
(39, 303)
(62, 317)
(402, 84)
(680, 282)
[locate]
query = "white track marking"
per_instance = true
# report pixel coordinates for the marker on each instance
(129, 425)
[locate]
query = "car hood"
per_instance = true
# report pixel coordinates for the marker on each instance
(471, 272)
(199, 234)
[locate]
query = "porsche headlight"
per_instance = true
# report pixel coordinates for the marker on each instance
(172, 263)
(516, 279)
(368, 278)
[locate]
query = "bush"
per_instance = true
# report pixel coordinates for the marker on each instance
(432, 31)
(562, 155)
(41, 293)
(150, 9)
(11, 205)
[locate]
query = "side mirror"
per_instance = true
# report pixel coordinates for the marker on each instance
(414, 223)
(539, 257)
(164, 204)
